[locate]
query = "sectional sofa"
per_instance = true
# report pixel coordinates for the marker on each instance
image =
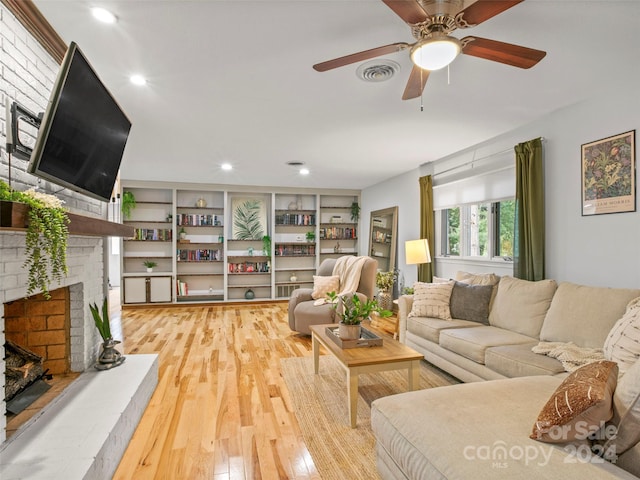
(481, 429)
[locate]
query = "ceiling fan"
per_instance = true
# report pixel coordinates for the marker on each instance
(431, 22)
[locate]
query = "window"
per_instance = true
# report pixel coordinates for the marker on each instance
(479, 230)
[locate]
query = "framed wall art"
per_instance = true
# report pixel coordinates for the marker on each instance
(609, 175)
(249, 218)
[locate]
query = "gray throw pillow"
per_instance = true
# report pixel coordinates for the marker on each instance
(471, 302)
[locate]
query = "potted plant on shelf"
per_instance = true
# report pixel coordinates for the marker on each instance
(182, 233)
(352, 311)
(109, 356)
(355, 212)
(46, 239)
(149, 264)
(128, 204)
(266, 246)
(310, 236)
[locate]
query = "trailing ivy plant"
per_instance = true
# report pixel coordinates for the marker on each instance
(46, 239)
(128, 203)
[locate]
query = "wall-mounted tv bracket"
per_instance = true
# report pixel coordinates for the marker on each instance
(20, 113)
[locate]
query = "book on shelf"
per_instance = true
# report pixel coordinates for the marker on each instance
(183, 288)
(337, 233)
(153, 234)
(295, 219)
(199, 255)
(199, 220)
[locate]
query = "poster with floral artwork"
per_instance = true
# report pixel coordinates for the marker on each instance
(609, 175)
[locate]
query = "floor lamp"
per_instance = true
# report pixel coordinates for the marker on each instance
(417, 252)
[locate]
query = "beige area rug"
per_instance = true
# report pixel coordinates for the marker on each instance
(320, 405)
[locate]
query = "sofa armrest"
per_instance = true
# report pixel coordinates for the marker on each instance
(299, 295)
(405, 302)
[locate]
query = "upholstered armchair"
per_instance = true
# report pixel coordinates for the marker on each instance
(302, 309)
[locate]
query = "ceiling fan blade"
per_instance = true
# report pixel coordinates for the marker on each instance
(358, 57)
(507, 53)
(408, 10)
(483, 10)
(416, 83)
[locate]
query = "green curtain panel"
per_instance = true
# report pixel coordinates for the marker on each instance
(528, 262)
(427, 226)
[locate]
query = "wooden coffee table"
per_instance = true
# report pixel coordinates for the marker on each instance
(392, 355)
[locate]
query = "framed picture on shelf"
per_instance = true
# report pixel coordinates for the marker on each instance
(249, 218)
(609, 175)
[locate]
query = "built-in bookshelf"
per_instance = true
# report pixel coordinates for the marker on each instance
(202, 257)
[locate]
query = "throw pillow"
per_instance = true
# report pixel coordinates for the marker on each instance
(626, 412)
(521, 305)
(324, 285)
(431, 300)
(471, 302)
(477, 278)
(622, 345)
(579, 406)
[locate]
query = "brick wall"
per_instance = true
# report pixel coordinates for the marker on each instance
(42, 326)
(28, 74)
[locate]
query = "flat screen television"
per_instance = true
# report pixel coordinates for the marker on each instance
(83, 131)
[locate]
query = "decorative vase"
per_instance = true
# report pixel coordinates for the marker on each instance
(293, 277)
(349, 332)
(183, 235)
(109, 356)
(201, 203)
(385, 299)
(249, 295)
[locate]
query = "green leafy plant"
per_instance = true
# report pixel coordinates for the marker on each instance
(128, 203)
(102, 322)
(355, 212)
(247, 220)
(352, 310)
(266, 245)
(46, 239)
(407, 291)
(384, 280)
(310, 236)
(149, 263)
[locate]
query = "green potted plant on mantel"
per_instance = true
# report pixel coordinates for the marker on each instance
(352, 311)
(46, 239)
(149, 264)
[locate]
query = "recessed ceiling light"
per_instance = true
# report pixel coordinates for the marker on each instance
(304, 171)
(226, 166)
(105, 16)
(138, 80)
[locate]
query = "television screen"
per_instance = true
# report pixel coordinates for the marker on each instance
(83, 131)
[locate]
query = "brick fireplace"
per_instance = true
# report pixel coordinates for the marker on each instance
(60, 329)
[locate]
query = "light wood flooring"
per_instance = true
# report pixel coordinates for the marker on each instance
(221, 409)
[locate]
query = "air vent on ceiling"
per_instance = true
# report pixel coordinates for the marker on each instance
(378, 70)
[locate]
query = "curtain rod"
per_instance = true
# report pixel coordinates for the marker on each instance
(495, 154)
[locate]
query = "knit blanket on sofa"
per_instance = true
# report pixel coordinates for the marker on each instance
(570, 355)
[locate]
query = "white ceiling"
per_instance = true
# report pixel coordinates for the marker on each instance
(231, 81)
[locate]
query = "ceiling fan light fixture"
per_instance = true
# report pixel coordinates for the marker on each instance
(435, 52)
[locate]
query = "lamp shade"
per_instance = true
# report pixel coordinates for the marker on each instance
(417, 251)
(435, 52)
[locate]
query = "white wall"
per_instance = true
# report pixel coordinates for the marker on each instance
(600, 250)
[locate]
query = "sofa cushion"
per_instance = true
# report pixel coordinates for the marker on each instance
(430, 328)
(521, 305)
(626, 412)
(519, 361)
(622, 345)
(579, 406)
(473, 343)
(431, 300)
(476, 431)
(584, 315)
(471, 302)
(323, 285)
(480, 279)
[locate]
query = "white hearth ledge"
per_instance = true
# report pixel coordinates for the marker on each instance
(83, 433)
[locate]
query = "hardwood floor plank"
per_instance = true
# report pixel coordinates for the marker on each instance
(221, 409)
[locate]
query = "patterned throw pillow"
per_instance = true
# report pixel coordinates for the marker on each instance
(324, 285)
(431, 300)
(579, 405)
(622, 345)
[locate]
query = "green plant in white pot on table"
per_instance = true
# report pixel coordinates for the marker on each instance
(352, 310)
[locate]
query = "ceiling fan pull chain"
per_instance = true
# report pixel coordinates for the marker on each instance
(448, 75)
(421, 93)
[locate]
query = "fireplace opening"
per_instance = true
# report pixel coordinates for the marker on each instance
(37, 354)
